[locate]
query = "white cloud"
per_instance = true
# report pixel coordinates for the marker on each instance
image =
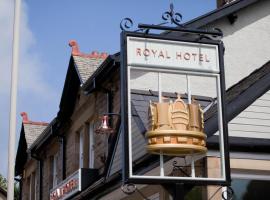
(34, 91)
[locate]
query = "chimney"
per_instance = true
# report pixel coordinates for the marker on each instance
(25, 117)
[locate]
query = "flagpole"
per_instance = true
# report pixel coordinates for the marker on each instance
(13, 100)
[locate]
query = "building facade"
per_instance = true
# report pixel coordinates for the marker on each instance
(68, 159)
(3, 194)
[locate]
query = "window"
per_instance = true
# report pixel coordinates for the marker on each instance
(91, 146)
(30, 192)
(53, 171)
(81, 154)
(32, 186)
(85, 146)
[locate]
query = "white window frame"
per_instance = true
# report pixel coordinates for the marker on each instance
(81, 146)
(91, 146)
(55, 179)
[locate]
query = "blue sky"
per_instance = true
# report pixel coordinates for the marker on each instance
(46, 28)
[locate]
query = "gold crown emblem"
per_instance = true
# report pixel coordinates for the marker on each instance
(176, 128)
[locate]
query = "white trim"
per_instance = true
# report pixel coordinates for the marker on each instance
(220, 126)
(81, 156)
(91, 146)
(129, 123)
(176, 178)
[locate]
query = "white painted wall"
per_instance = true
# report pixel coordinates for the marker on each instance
(254, 121)
(247, 41)
(247, 44)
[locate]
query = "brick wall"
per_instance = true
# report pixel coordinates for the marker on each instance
(87, 111)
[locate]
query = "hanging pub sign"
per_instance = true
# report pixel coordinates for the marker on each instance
(168, 87)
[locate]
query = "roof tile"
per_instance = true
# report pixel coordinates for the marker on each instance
(86, 64)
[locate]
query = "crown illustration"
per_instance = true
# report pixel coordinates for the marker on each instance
(176, 128)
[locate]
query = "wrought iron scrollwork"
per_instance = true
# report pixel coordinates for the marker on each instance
(179, 168)
(218, 30)
(128, 188)
(174, 18)
(126, 24)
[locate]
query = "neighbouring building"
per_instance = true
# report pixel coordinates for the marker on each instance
(68, 159)
(3, 194)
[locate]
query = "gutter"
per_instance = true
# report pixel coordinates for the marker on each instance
(43, 137)
(101, 73)
(219, 13)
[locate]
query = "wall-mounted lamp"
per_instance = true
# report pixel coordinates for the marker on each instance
(104, 127)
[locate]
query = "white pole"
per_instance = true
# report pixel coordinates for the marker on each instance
(13, 100)
(161, 161)
(188, 89)
(189, 102)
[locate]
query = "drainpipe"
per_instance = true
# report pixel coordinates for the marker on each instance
(40, 166)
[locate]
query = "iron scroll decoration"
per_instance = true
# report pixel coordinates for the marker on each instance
(126, 24)
(173, 18)
(168, 16)
(129, 188)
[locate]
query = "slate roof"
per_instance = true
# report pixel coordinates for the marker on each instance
(86, 66)
(32, 131)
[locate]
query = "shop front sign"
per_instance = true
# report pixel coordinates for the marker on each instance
(73, 184)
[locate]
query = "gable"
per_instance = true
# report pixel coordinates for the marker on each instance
(86, 66)
(32, 132)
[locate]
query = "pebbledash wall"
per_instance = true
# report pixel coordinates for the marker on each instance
(47, 156)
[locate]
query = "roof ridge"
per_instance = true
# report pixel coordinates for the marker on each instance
(76, 51)
(27, 121)
(37, 123)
